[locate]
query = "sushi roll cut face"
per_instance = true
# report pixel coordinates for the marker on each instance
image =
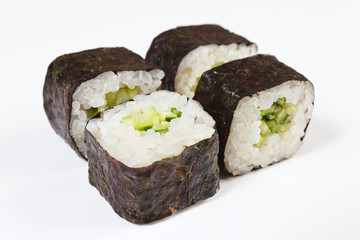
(80, 85)
(186, 52)
(153, 156)
(107, 90)
(204, 58)
(265, 109)
(268, 126)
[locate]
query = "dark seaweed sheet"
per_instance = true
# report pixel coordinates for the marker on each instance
(170, 47)
(142, 195)
(220, 89)
(68, 71)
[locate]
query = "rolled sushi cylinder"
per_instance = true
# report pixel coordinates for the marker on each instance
(79, 85)
(153, 156)
(261, 107)
(186, 52)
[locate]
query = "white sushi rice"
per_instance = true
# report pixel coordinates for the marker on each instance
(92, 94)
(136, 149)
(204, 58)
(241, 155)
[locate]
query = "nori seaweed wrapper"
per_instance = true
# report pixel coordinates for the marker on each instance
(68, 71)
(170, 47)
(146, 194)
(220, 89)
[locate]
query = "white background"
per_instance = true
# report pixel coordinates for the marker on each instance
(44, 189)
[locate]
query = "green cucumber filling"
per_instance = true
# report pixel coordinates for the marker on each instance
(193, 88)
(217, 64)
(150, 119)
(114, 98)
(275, 119)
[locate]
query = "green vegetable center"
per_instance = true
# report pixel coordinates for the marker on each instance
(150, 119)
(115, 98)
(275, 118)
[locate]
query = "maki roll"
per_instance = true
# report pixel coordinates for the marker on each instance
(262, 109)
(153, 156)
(79, 85)
(186, 52)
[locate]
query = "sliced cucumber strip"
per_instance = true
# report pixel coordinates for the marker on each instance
(95, 110)
(111, 98)
(217, 64)
(122, 95)
(197, 80)
(277, 109)
(150, 119)
(162, 131)
(275, 118)
(281, 116)
(176, 112)
(287, 120)
(273, 126)
(291, 109)
(268, 111)
(269, 117)
(193, 88)
(281, 101)
(168, 118)
(114, 98)
(264, 129)
(146, 122)
(132, 92)
(156, 119)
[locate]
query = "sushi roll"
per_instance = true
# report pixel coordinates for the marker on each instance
(79, 85)
(186, 52)
(153, 156)
(261, 107)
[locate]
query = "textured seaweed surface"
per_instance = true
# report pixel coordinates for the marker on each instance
(220, 89)
(142, 195)
(68, 71)
(170, 47)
